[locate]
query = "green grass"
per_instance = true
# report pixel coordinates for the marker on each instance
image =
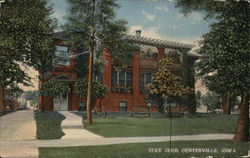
(49, 125)
(133, 126)
(141, 150)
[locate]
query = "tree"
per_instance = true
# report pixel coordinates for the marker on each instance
(99, 90)
(198, 98)
(25, 28)
(212, 101)
(225, 62)
(166, 85)
(91, 25)
(14, 91)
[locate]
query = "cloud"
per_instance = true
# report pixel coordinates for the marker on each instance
(150, 32)
(162, 8)
(153, 32)
(193, 16)
(149, 16)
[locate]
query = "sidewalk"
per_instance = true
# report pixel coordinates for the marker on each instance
(73, 127)
(15, 127)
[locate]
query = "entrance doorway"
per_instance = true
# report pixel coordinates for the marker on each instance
(61, 102)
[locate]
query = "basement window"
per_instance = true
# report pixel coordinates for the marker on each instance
(123, 106)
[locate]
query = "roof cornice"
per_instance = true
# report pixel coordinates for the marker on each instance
(157, 42)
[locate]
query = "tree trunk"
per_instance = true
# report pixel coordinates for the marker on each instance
(2, 107)
(90, 73)
(89, 114)
(226, 104)
(41, 98)
(242, 130)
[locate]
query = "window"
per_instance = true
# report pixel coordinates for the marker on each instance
(123, 106)
(148, 78)
(62, 55)
(129, 80)
(122, 78)
(145, 78)
(114, 78)
(98, 77)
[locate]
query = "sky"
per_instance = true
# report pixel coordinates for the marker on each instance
(156, 18)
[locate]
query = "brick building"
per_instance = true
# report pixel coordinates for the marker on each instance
(125, 85)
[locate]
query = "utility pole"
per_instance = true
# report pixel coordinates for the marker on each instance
(90, 77)
(90, 66)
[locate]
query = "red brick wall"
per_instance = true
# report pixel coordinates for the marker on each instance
(161, 53)
(112, 99)
(107, 69)
(45, 102)
(73, 99)
(136, 74)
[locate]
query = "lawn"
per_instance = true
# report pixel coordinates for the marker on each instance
(144, 150)
(134, 126)
(49, 125)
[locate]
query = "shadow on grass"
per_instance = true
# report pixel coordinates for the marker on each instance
(49, 125)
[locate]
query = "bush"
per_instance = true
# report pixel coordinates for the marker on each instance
(98, 92)
(54, 88)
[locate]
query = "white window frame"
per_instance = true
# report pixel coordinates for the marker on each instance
(118, 77)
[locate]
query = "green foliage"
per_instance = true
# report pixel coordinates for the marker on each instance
(225, 49)
(54, 88)
(212, 101)
(92, 24)
(24, 38)
(173, 55)
(188, 74)
(166, 85)
(98, 92)
(13, 91)
(198, 98)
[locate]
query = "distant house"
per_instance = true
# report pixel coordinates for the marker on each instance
(125, 85)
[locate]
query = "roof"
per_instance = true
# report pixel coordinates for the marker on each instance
(146, 41)
(158, 42)
(59, 35)
(63, 77)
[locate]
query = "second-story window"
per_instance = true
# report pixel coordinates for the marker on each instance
(122, 78)
(145, 78)
(62, 55)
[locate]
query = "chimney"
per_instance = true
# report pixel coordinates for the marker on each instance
(138, 33)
